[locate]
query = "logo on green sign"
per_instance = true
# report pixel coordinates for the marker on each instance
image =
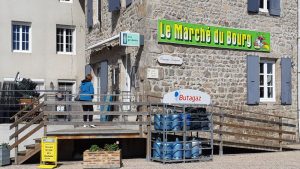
(211, 36)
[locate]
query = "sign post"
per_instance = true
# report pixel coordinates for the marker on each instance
(48, 152)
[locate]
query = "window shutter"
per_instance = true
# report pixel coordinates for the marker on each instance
(114, 5)
(88, 69)
(286, 85)
(275, 7)
(252, 80)
(89, 13)
(253, 6)
(128, 2)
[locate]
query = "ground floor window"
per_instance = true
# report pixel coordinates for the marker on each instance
(267, 81)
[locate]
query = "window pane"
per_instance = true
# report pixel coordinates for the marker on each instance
(270, 92)
(270, 68)
(261, 65)
(261, 80)
(261, 4)
(270, 80)
(261, 91)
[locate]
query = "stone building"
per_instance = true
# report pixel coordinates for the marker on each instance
(254, 70)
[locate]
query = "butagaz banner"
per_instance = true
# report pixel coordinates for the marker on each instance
(212, 36)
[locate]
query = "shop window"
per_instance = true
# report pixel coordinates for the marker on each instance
(267, 81)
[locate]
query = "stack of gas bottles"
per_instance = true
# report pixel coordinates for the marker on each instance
(195, 119)
(176, 150)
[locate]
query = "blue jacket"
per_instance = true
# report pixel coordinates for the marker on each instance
(87, 91)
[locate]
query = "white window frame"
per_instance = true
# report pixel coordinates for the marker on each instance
(265, 7)
(65, 1)
(73, 52)
(21, 37)
(265, 85)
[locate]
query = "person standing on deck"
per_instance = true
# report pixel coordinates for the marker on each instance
(87, 94)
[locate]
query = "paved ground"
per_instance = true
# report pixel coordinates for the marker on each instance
(279, 160)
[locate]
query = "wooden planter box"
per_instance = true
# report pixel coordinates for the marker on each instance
(4, 156)
(102, 159)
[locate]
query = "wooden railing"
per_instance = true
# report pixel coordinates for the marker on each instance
(228, 122)
(271, 131)
(29, 115)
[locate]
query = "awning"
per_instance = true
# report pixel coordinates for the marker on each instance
(110, 41)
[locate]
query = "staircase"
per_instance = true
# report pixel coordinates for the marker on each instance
(27, 118)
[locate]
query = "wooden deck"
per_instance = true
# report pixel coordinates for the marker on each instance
(95, 133)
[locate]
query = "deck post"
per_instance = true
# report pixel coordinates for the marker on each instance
(280, 134)
(221, 134)
(16, 140)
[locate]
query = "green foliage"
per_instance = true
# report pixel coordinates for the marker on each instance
(107, 147)
(94, 148)
(4, 145)
(111, 147)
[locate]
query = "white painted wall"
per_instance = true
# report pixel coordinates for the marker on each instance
(43, 62)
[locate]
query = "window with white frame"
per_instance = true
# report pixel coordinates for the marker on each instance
(21, 40)
(264, 6)
(267, 81)
(66, 1)
(65, 40)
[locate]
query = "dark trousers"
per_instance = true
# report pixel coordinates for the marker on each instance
(87, 108)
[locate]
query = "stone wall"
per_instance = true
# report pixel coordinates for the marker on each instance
(218, 72)
(221, 72)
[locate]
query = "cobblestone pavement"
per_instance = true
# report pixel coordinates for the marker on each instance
(279, 160)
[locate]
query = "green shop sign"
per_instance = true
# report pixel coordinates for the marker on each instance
(212, 36)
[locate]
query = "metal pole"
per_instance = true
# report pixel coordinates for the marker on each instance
(221, 134)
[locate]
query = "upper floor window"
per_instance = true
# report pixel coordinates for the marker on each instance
(67, 1)
(21, 39)
(267, 81)
(272, 7)
(264, 5)
(65, 40)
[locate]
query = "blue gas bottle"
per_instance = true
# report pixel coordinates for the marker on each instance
(157, 146)
(166, 123)
(177, 150)
(195, 148)
(188, 150)
(157, 122)
(167, 151)
(187, 118)
(176, 120)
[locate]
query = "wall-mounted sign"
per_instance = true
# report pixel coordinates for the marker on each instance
(131, 39)
(48, 152)
(170, 60)
(152, 73)
(212, 36)
(187, 96)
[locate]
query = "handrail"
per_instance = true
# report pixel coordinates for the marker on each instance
(19, 112)
(247, 111)
(26, 115)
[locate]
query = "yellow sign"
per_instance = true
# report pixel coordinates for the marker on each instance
(48, 152)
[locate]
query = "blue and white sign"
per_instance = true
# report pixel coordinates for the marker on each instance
(187, 96)
(130, 39)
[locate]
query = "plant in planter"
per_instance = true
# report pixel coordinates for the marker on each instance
(108, 157)
(4, 154)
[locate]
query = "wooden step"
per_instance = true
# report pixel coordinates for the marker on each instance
(31, 150)
(31, 146)
(37, 140)
(22, 153)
